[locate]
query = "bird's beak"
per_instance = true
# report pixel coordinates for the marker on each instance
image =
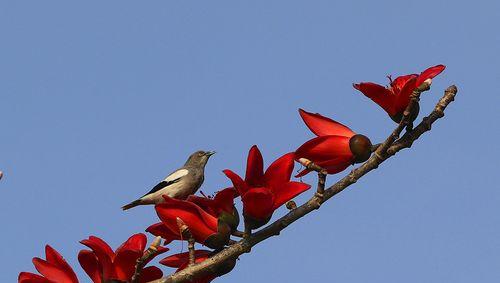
(210, 153)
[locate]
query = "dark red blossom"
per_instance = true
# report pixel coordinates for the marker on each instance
(221, 202)
(263, 192)
(336, 147)
(395, 98)
(206, 228)
(102, 264)
(220, 206)
(181, 261)
(53, 269)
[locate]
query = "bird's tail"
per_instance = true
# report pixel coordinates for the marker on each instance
(132, 204)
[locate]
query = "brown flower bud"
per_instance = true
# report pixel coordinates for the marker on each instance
(361, 148)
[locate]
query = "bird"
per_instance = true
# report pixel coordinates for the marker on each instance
(179, 184)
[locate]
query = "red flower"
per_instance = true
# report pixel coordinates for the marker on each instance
(220, 206)
(336, 146)
(53, 269)
(205, 228)
(221, 202)
(395, 98)
(181, 261)
(102, 264)
(262, 193)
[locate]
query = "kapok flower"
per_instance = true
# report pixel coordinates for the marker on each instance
(181, 261)
(220, 206)
(336, 147)
(102, 264)
(262, 193)
(53, 269)
(206, 229)
(395, 98)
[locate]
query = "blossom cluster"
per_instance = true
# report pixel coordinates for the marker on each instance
(212, 221)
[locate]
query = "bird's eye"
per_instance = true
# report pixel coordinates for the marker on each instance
(200, 153)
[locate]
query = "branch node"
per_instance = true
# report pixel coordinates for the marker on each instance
(291, 205)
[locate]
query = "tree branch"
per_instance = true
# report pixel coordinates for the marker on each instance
(388, 148)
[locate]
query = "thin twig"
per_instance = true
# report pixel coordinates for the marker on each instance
(392, 147)
(321, 186)
(248, 231)
(238, 233)
(319, 195)
(184, 229)
(146, 256)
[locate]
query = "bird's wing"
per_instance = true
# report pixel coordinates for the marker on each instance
(169, 180)
(176, 175)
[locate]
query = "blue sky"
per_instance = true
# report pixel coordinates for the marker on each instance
(100, 100)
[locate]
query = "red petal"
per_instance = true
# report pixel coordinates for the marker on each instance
(181, 259)
(125, 264)
(322, 126)
(205, 203)
(379, 94)
(254, 176)
(104, 254)
(238, 183)
(103, 246)
(200, 223)
(90, 264)
(280, 171)
(324, 148)
(51, 271)
(27, 277)
(223, 201)
(127, 255)
(332, 166)
(136, 243)
(429, 73)
(403, 97)
(400, 82)
(287, 192)
(160, 229)
(258, 203)
(150, 273)
(336, 165)
(56, 259)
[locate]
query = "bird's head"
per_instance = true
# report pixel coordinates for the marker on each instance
(199, 158)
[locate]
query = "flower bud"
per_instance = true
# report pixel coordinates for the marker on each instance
(361, 148)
